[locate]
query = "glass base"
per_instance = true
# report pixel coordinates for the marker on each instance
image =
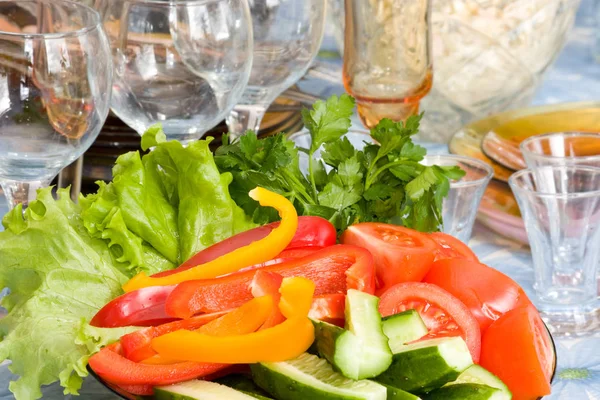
(572, 321)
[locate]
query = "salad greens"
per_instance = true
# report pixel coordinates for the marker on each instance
(63, 262)
(382, 182)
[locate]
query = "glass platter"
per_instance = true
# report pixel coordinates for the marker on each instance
(496, 140)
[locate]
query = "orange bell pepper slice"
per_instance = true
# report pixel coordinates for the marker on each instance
(268, 283)
(255, 253)
(278, 343)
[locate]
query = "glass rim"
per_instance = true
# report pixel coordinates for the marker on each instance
(512, 181)
(543, 136)
(94, 25)
(471, 161)
(170, 3)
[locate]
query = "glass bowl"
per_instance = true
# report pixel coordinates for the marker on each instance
(488, 56)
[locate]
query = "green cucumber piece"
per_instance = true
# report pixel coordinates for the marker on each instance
(398, 394)
(480, 375)
(310, 377)
(243, 383)
(361, 350)
(199, 390)
(427, 365)
(466, 391)
(404, 327)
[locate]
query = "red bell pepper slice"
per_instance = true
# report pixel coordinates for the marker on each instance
(136, 345)
(334, 269)
(114, 368)
(311, 231)
(328, 307)
(144, 307)
(268, 284)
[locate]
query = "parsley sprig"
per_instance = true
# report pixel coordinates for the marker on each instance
(383, 182)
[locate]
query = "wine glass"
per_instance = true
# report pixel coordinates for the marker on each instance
(55, 85)
(184, 64)
(287, 37)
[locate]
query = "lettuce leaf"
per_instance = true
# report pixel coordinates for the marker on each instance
(57, 274)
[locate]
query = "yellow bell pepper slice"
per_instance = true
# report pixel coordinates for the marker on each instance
(255, 253)
(279, 343)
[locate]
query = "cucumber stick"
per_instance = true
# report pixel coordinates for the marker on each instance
(399, 394)
(310, 377)
(475, 383)
(480, 375)
(199, 390)
(427, 365)
(361, 350)
(244, 384)
(403, 327)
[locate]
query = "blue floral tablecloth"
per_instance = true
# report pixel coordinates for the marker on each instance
(574, 77)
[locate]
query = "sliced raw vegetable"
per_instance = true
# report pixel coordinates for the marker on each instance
(400, 254)
(199, 390)
(451, 247)
(403, 327)
(398, 394)
(361, 351)
(443, 314)
(243, 383)
(309, 377)
(479, 375)
(517, 349)
(487, 292)
(330, 269)
(328, 307)
(268, 284)
(257, 252)
(312, 232)
(466, 391)
(426, 365)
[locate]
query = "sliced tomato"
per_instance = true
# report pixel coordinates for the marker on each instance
(487, 292)
(114, 368)
(443, 314)
(144, 307)
(311, 231)
(401, 254)
(334, 269)
(451, 247)
(518, 349)
(328, 307)
(136, 345)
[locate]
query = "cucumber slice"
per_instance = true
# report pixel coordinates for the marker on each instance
(402, 328)
(199, 390)
(309, 377)
(427, 365)
(244, 384)
(466, 391)
(480, 375)
(362, 350)
(399, 394)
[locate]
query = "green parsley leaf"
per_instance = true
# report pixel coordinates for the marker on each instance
(328, 121)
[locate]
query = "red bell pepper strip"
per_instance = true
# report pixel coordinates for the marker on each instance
(136, 345)
(328, 307)
(311, 232)
(114, 368)
(268, 284)
(144, 307)
(334, 269)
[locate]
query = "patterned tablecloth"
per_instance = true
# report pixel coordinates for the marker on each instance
(574, 77)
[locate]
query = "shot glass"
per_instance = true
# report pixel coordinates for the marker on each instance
(562, 149)
(561, 210)
(460, 206)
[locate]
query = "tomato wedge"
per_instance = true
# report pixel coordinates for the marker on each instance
(144, 307)
(487, 293)
(400, 254)
(329, 269)
(518, 349)
(443, 313)
(451, 247)
(311, 231)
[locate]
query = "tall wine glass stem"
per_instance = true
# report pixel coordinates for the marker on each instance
(18, 192)
(245, 117)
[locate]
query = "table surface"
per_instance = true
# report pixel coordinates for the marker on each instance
(574, 77)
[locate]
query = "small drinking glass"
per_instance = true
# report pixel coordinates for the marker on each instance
(55, 85)
(562, 149)
(561, 209)
(287, 38)
(182, 63)
(459, 208)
